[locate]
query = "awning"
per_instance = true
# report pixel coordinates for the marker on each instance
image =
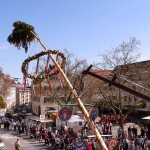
(37, 118)
(146, 118)
(46, 120)
(144, 109)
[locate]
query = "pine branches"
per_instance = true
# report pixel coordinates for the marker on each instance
(21, 35)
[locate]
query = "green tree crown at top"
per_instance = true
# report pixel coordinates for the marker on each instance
(21, 35)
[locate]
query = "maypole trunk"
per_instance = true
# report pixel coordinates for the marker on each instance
(91, 123)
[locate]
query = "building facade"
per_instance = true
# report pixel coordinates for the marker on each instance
(139, 73)
(41, 98)
(11, 98)
(137, 77)
(18, 96)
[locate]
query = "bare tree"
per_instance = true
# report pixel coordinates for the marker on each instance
(60, 92)
(5, 83)
(125, 53)
(114, 98)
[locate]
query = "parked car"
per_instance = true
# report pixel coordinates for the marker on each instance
(2, 145)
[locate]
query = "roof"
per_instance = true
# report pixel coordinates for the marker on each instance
(37, 118)
(74, 118)
(103, 73)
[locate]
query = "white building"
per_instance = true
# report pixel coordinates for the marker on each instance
(18, 96)
(11, 98)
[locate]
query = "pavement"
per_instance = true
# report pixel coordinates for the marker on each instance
(9, 137)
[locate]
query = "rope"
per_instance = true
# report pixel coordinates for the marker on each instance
(41, 88)
(37, 66)
(47, 62)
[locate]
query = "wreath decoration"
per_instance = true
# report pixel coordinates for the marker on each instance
(46, 74)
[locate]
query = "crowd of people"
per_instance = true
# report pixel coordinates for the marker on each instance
(131, 140)
(62, 139)
(65, 138)
(68, 139)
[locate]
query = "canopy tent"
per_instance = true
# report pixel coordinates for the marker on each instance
(146, 118)
(74, 122)
(144, 109)
(37, 119)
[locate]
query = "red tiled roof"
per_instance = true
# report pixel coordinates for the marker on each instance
(103, 73)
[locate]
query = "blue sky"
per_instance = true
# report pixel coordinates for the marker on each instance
(83, 27)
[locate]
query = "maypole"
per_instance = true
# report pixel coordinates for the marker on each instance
(85, 112)
(83, 109)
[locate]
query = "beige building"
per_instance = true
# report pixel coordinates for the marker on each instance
(41, 98)
(136, 72)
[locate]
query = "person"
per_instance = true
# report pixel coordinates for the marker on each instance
(125, 135)
(57, 141)
(65, 129)
(0, 123)
(17, 145)
(15, 125)
(46, 139)
(129, 132)
(133, 131)
(141, 142)
(110, 127)
(142, 131)
(62, 143)
(132, 145)
(120, 132)
(146, 131)
(125, 144)
(61, 129)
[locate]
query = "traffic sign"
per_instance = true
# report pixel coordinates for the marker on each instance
(94, 114)
(65, 114)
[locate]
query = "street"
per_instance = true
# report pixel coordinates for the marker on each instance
(9, 138)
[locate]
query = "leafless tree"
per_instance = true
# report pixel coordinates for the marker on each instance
(73, 68)
(125, 53)
(5, 83)
(114, 98)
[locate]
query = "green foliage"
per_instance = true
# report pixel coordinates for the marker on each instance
(2, 102)
(21, 36)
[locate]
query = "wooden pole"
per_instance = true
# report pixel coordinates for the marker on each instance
(91, 123)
